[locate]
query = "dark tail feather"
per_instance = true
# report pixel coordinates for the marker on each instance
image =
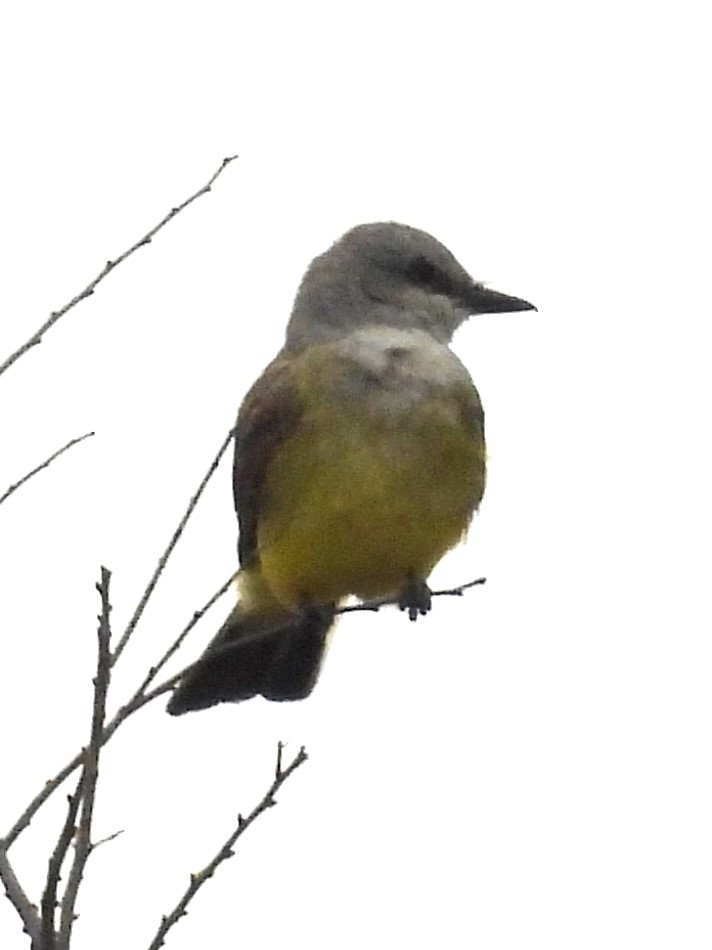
(278, 658)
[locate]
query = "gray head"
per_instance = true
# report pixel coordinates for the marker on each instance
(391, 275)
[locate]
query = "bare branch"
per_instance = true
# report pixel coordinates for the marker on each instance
(163, 560)
(141, 698)
(106, 840)
(459, 591)
(49, 897)
(137, 701)
(177, 643)
(44, 464)
(54, 868)
(90, 770)
(226, 851)
(375, 605)
(31, 923)
(50, 786)
(108, 267)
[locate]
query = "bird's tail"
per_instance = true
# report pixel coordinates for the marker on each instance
(277, 656)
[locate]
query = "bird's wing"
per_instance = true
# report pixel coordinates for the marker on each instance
(473, 415)
(269, 413)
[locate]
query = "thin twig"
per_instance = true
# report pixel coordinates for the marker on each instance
(50, 786)
(137, 701)
(141, 699)
(375, 605)
(263, 634)
(177, 643)
(226, 851)
(459, 591)
(90, 769)
(44, 464)
(108, 267)
(54, 868)
(163, 560)
(31, 923)
(106, 840)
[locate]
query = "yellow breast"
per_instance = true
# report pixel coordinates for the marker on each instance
(366, 492)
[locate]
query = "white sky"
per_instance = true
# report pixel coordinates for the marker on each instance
(530, 766)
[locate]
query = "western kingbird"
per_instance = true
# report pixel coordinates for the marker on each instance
(359, 458)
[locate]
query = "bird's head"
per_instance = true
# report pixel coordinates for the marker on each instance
(392, 275)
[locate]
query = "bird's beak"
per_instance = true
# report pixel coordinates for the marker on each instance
(481, 299)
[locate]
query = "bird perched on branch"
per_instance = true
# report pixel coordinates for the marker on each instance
(359, 458)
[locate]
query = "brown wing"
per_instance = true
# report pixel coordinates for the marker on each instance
(473, 414)
(268, 414)
(473, 418)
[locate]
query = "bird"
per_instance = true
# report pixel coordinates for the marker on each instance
(359, 459)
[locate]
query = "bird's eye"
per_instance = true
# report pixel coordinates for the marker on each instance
(422, 271)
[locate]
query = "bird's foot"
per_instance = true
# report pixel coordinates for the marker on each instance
(415, 597)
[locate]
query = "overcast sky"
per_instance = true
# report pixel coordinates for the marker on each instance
(530, 765)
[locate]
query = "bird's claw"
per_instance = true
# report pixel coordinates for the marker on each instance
(415, 597)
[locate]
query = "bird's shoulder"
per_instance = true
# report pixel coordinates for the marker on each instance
(269, 413)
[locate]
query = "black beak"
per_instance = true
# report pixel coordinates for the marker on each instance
(480, 299)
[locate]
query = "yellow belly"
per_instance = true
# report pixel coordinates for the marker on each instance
(356, 504)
